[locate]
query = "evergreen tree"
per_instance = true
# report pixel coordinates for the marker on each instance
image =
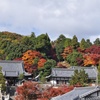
(43, 44)
(33, 35)
(2, 80)
(99, 73)
(83, 44)
(60, 46)
(88, 43)
(73, 57)
(67, 42)
(97, 42)
(47, 69)
(79, 78)
(48, 66)
(74, 42)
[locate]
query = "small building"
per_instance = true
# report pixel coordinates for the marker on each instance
(81, 93)
(12, 70)
(63, 75)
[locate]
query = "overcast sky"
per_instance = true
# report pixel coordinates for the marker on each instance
(55, 17)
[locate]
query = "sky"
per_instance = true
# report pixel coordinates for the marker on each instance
(55, 17)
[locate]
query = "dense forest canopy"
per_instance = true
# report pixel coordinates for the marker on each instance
(40, 53)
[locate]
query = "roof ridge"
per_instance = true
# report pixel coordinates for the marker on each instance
(3, 61)
(89, 87)
(72, 67)
(86, 93)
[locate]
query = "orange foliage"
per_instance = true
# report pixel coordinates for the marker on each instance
(28, 58)
(30, 55)
(91, 59)
(67, 51)
(41, 62)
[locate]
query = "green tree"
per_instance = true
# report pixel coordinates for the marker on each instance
(83, 44)
(47, 69)
(43, 44)
(88, 43)
(15, 50)
(98, 72)
(4, 45)
(97, 42)
(74, 42)
(33, 35)
(48, 66)
(21, 76)
(79, 78)
(29, 42)
(72, 58)
(2, 80)
(67, 42)
(60, 46)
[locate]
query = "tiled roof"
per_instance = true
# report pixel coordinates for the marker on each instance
(11, 73)
(76, 93)
(68, 72)
(12, 68)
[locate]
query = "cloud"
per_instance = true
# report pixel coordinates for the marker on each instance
(55, 17)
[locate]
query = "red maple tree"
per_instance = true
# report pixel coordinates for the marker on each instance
(33, 90)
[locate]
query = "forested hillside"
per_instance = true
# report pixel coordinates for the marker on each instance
(40, 53)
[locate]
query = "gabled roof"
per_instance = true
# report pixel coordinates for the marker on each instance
(12, 68)
(77, 93)
(68, 72)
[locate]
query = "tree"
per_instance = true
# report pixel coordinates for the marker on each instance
(97, 42)
(79, 78)
(88, 43)
(31, 58)
(46, 70)
(21, 76)
(4, 45)
(48, 66)
(74, 42)
(67, 42)
(72, 58)
(28, 91)
(2, 80)
(92, 55)
(91, 59)
(34, 91)
(60, 46)
(33, 35)
(53, 92)
(66, 52)
(83, 44)
(93, 50)
(10, 36)
(41, 63)
(43, 44)
(29, 42)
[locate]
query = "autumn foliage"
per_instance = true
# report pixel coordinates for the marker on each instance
(27, 91)
(55, 91)
(92, 56)
(67, 51)
(91, 59)
(29, 60)
(32, 90)
(41, 62)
